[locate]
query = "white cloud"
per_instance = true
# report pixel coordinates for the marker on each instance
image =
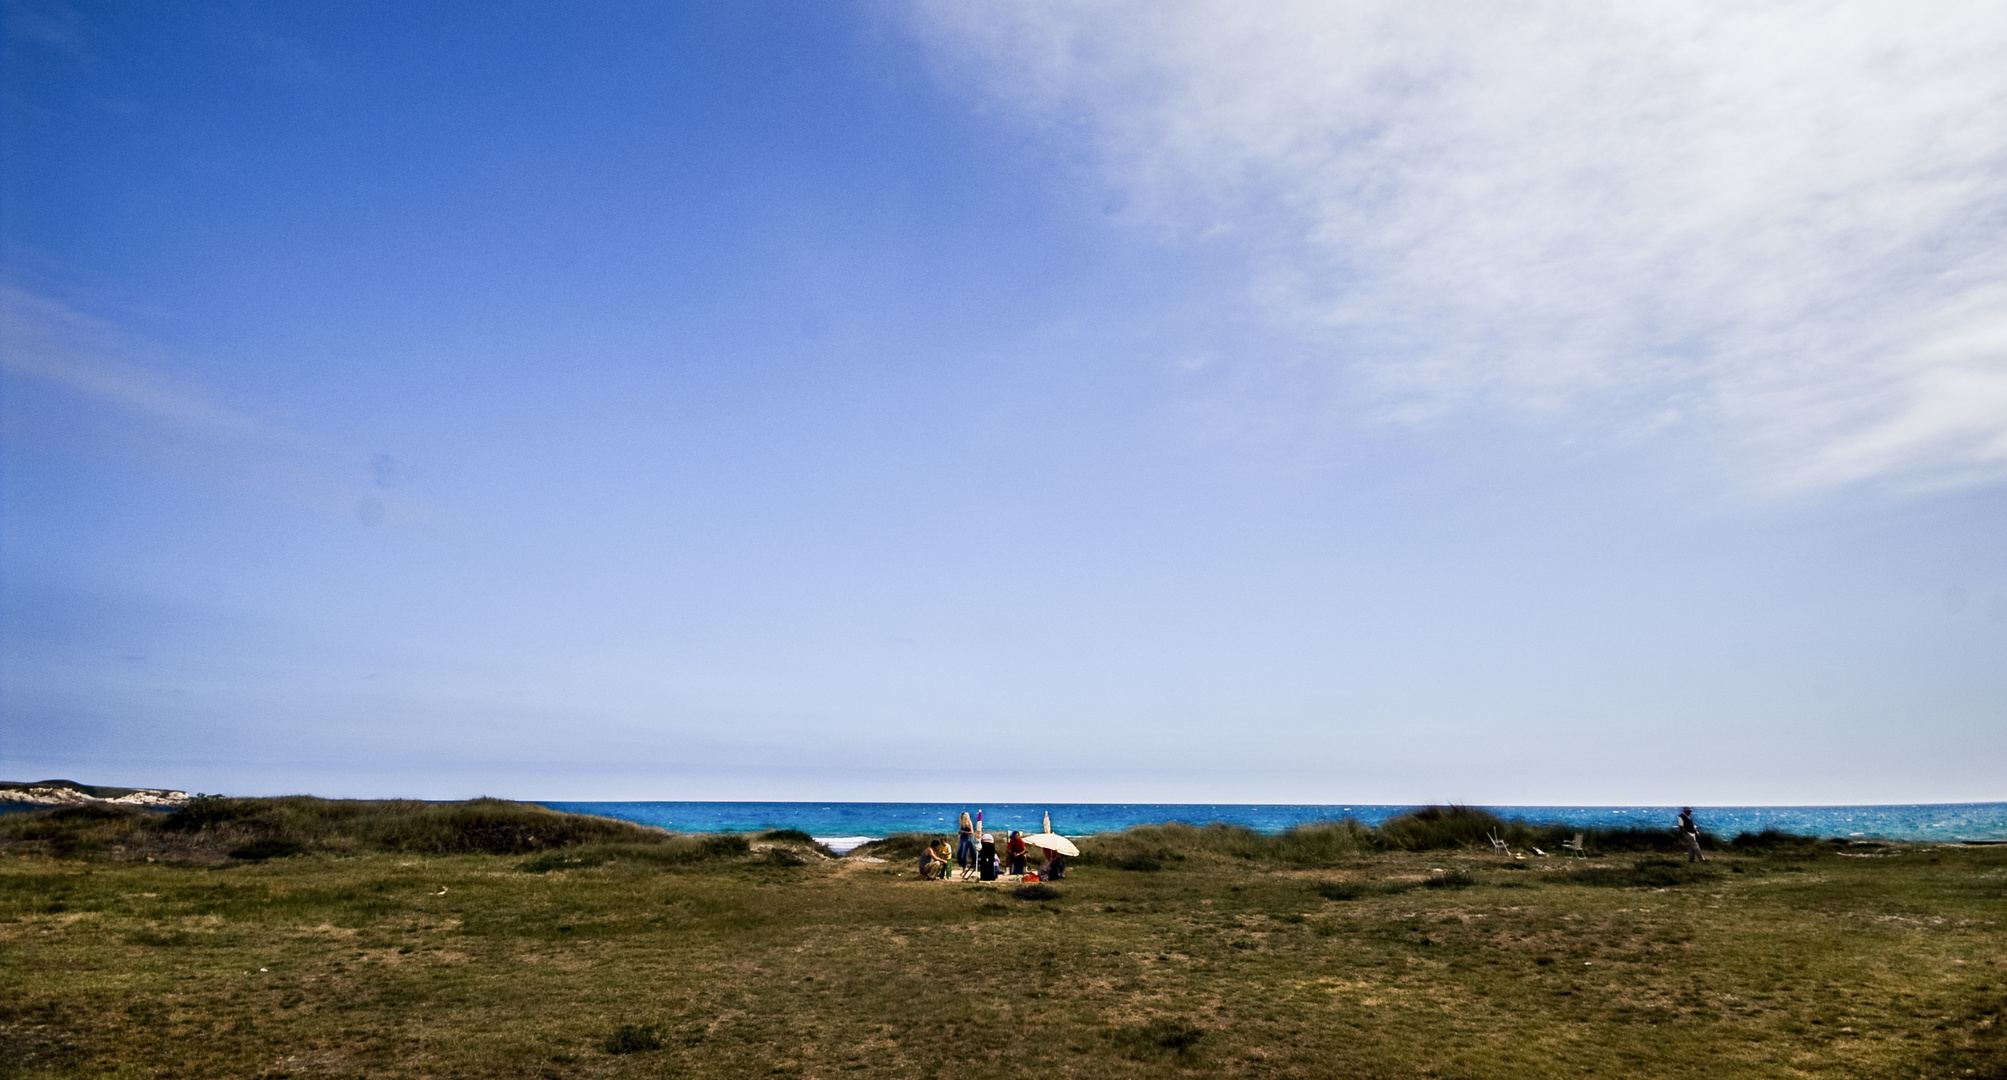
(1780, 224)
(50, 341)
(107, 365)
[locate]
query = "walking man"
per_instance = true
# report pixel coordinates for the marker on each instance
(1690, 834)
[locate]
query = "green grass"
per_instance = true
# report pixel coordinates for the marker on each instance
(1315, 957)
(212, 827)
(898, 847)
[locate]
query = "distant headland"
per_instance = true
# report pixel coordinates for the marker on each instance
(71, 793)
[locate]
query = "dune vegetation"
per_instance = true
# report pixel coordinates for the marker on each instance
(304, 937)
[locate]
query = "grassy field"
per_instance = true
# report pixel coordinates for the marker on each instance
(617, 952)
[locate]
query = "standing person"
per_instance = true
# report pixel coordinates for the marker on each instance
(1690, 834)
(965, 848)
(1015, 849)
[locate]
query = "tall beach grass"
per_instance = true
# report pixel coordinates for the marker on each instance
(212, 828)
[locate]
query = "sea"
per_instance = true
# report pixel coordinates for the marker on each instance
(845, 825)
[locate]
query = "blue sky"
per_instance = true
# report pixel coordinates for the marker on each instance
(887, 401)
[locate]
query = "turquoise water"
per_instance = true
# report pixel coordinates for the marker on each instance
(845, 825)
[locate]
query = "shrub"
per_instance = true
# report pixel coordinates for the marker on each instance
(74, 831)
(1157, 847)
(1773, 840)
(1643, 874)
(796, 839)
(490, 826)
(1654, 874)
(1322, 843)
(563, 860)
(94, 812)
(1147, 861)
(1454, 879)
(1144, 848)
(260, 850)
(210, 826)
(1338, 890)
(724, 845)
(898, 847)
(666, 850)
(1632, 838)
(633, 1038)
(159, 939)
(203, 811)
(1037, 890)
(1436, 827)
(1160, 1036)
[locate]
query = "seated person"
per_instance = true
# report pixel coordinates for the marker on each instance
(1054, 868)
(930, 862)
(1015, 849)
(986, 859)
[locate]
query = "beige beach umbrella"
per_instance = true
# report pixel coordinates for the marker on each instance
(1052, 841)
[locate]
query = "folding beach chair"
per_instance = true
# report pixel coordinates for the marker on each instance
(1574, 845)
(1498, 845)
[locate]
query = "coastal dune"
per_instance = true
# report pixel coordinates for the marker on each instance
(397, 938)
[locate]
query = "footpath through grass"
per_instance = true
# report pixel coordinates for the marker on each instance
(761, 957)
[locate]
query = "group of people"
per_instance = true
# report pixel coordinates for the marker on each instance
(981, 856)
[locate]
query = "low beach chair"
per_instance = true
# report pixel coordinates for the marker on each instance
(1574, 845)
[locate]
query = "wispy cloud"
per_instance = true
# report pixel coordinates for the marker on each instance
(49, 25)
(1780, 225)
(47, 340)
(43, 339)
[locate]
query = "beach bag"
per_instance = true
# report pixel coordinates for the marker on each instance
(1031, 876)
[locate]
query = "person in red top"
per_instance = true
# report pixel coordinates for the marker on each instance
(1015, 849)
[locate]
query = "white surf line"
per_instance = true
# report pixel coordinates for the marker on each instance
(843, 845)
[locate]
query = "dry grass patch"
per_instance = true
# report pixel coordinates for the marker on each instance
(380, 964)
